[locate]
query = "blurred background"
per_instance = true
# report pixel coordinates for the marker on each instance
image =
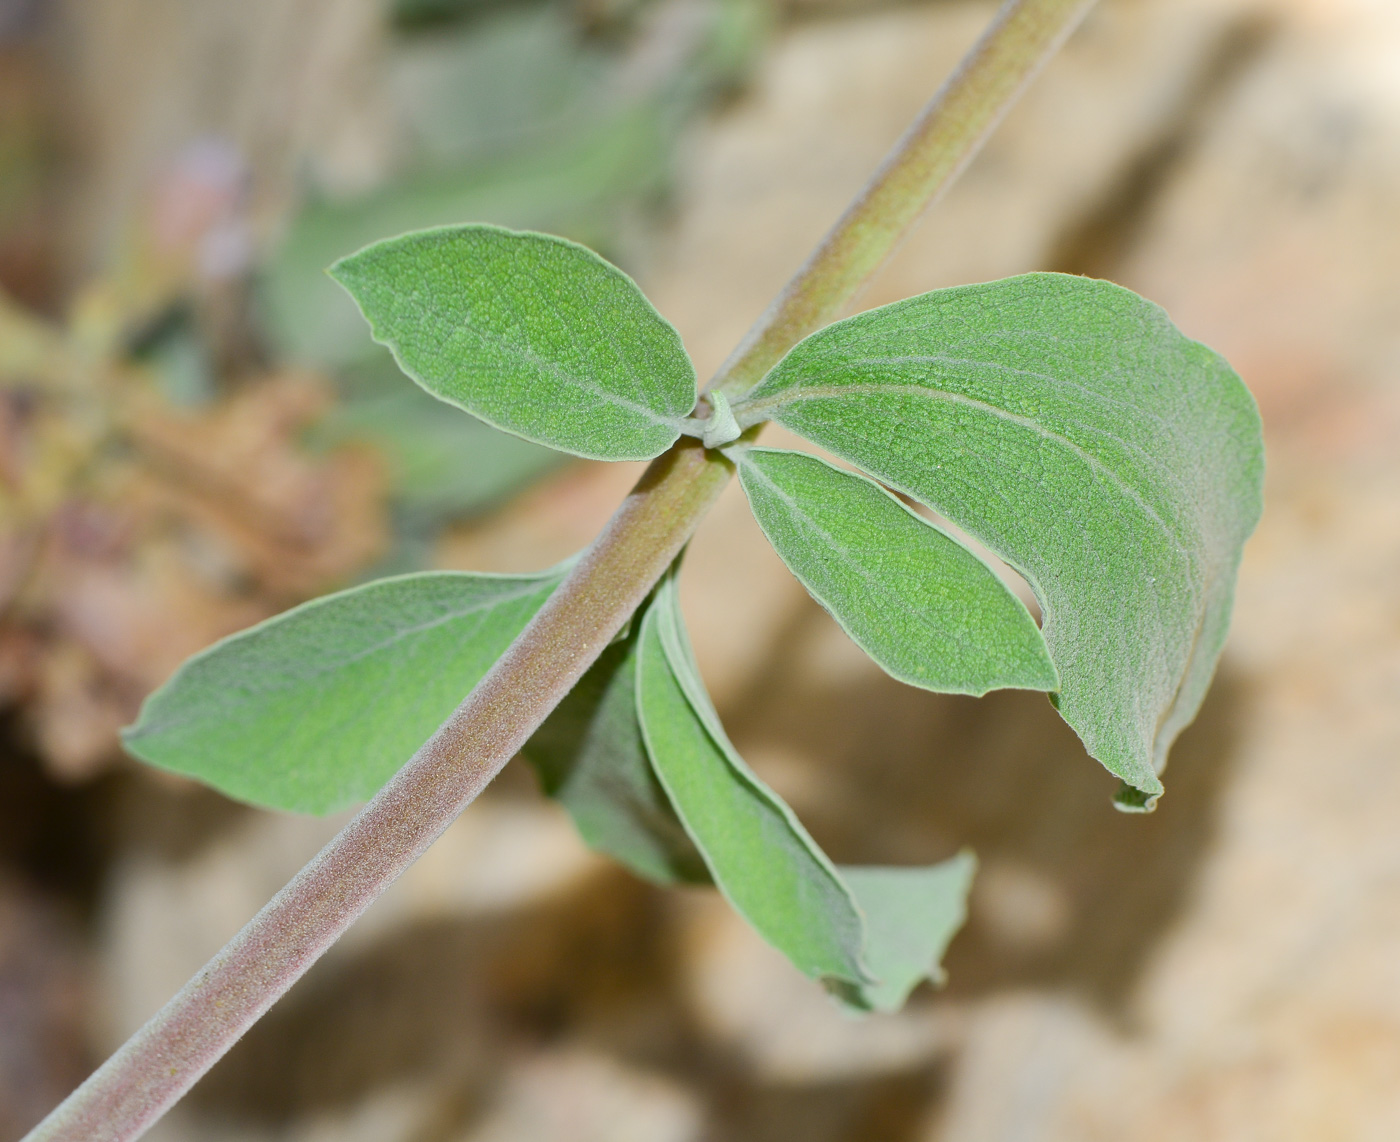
(196, 432)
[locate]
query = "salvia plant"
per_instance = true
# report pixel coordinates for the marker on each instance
(1063, 423)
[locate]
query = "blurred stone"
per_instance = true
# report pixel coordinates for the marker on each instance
(784, 1026)
(587, 1098)
(1021, 906)
(767, 180)
(165, 919)
(44, 990)
(383, 1116)
(1009, 1082)
(1274, 242)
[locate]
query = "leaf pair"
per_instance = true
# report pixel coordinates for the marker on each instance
(316, 708)
(1067, 425)
(1063, 423)
(641, 760)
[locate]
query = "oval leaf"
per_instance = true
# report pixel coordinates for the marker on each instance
(923, 606)
(869, 934)
(1069, 426)
(758, 853)
(316, 708)
(533, 333)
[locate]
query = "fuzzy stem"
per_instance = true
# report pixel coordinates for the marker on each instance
(933, 152)
(165, 1058)
(190, 1033)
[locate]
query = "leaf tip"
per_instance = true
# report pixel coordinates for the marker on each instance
(342, 269)
(132, 736)
(1130, 799)
(852, 1000)
(1044, 675)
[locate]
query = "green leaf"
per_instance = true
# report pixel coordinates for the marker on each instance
(590, 756)
(869, 934)
(532, 333)
(316, 708)
(911, 915)
(758, 853)
(1070, 427)
(576, 187)
(913, 598)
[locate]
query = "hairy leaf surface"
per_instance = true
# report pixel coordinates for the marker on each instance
(758, 853)
(316, 708)
(533, 333)
(1069, 426)
(591, 758)
(911, 915)
(869, 933)
(913, 598)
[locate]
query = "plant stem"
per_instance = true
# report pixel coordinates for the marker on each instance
(230, 993)
(162, 1060)
(933, 152)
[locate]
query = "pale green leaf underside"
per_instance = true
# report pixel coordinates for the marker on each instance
(758, 854)
(591, 758)
(870, 934)
(911, 915)
(533, 333)
(926, 609)
(1069, 426)
(316, 708)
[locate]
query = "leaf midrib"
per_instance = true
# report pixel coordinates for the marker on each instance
(904, 605)
(544, 365)
(245, 695)
(801, 393)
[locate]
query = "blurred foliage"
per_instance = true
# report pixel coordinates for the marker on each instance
(531, 115)
(147, 509)
(199, 436)
(26, 160)
(133, 531)
(441, 462)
